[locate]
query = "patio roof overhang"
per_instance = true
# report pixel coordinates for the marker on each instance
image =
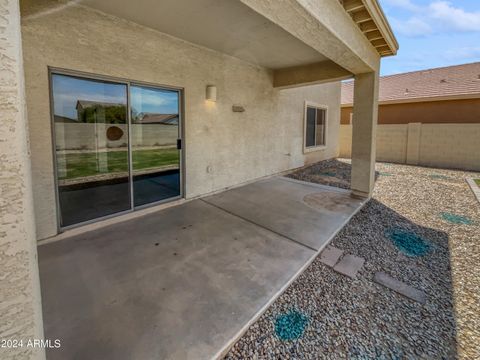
(370, 19)
(303, 42)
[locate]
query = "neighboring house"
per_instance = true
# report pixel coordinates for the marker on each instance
(65, 119)
(442, 95)
(85, 109)
(153, 118)
(280, 62)
(85, 104)
(428, 117)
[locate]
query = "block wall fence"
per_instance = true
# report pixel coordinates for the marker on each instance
(455, 146)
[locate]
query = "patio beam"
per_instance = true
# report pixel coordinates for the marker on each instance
(368, 26)
(353, 5)
(20, 307)
(365, 112)
(361, 17)
(374, 35)
(325, 71)
(335, 36)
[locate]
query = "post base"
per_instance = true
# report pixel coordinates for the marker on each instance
(357, 194)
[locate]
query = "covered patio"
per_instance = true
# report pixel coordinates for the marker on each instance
(185, 282)
(182, 282)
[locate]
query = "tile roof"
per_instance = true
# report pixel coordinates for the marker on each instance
(451, 81)
(154, 118)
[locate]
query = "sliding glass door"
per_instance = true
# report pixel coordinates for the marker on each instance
(154, 137)
(116, 146)
(91, 147)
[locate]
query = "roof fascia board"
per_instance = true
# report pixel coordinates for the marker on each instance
(383, 25)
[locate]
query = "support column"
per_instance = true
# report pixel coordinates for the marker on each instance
(365, 112)
(20, 307)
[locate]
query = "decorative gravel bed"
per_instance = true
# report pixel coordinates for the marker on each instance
(337, 317)
(329, 172)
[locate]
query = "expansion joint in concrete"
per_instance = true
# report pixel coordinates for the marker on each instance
(263, 227)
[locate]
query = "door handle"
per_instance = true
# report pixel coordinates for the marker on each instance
(179, 144)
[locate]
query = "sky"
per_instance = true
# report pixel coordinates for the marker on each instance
(67, 90)
(432, 33)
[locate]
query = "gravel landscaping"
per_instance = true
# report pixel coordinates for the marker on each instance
(330, 172)
(422, 228)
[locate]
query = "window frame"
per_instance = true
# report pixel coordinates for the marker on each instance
(307, 149)
(128, 82)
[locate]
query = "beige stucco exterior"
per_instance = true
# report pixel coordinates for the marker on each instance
(364, 130)
(20, 308)
(222, 148)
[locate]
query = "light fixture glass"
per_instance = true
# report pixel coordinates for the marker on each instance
(211, 94)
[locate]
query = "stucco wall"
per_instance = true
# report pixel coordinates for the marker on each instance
(453, 146)
(465, 111)
(222, 148)
(20, 308)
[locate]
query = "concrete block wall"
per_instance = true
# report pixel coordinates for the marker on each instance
(455, 146)
(392, 143)
(450, 145)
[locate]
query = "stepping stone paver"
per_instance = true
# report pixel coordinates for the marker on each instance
(475, 188)
(349, 265)
(400, 287)
(330, 255)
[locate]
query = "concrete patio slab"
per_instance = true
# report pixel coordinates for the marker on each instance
(184, 282)
(177, 284)
(349, 265)
(400, 287)
(304, 212)
(330, 255)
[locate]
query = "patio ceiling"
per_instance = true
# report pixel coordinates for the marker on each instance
(303, 42)
(227, 26)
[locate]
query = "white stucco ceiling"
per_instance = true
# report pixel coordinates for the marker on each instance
(227, 26)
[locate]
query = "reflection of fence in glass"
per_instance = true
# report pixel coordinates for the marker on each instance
(82, 136)
(94, 149)
(85, 155)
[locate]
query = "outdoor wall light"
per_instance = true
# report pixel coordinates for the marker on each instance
(211, 93)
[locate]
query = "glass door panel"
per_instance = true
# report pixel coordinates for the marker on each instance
(91, 140)
(155, 129)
